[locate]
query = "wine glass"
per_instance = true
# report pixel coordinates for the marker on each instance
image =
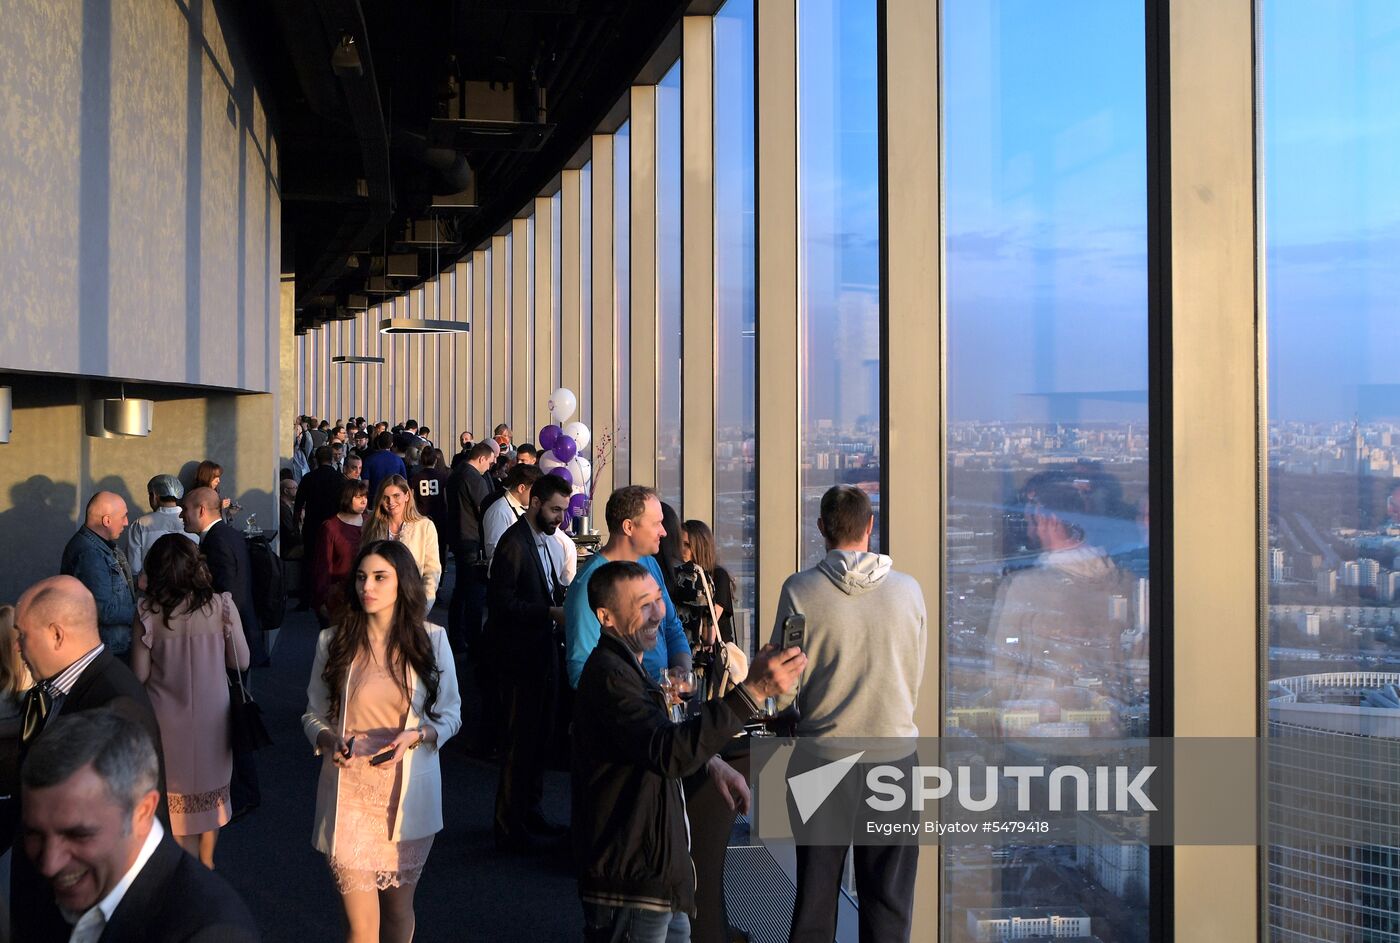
(682, 682)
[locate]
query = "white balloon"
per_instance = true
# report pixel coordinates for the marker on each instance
(581, 470)
(562, 403)
(579, 433)
(548, 461)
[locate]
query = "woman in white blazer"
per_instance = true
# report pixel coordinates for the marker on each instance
(396, 517)
(382, 701)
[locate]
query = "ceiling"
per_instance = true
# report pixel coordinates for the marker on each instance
(391, 113)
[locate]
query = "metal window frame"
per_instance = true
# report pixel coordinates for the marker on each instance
(698, 339)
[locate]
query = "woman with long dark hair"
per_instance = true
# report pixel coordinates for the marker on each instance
(698, 547)
(383, 689)
(338, 544)
(209, 474)
(189, 637)
(395, 517)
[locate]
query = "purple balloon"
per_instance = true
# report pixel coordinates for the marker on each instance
(562, 472)
(565, 448)
(578, 505)
(548, 436)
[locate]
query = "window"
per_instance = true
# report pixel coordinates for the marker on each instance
(584, 413)
(736, 512)
(1330, 91)
(839, 245)
(1047, 581)
(556, 279)
(668, 286)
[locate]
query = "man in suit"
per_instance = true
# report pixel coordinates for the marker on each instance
(317, 501)
(56, 628)
(525, 601)
(89, 790)
(231, 570)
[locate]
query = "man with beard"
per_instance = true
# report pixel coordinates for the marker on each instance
(525, 604)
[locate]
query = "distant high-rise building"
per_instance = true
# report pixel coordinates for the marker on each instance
(1369, 572)
(1141, 603)
(1351, 573)
(1391, 586)
(1275, 565)
(1327, 583)
(1310, 624)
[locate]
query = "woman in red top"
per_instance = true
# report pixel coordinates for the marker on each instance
(335, 551)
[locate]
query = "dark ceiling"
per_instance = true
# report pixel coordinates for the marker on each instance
(389, 113)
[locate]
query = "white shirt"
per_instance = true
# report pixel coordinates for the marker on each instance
(88, 928)
(552, 557)
(147, 529)
(497, 520)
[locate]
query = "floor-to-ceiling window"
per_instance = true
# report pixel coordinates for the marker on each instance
(487, 320)
(839, 245)
(527, 382)
(1330, 97)
(736, 522)
(622, 299)
(1046, 604)
(556, 280)
(668, 286)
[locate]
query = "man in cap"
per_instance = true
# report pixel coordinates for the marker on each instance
(164, 493)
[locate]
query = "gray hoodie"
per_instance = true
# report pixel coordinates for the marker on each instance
(867, 632)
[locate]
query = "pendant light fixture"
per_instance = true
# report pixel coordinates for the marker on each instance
(119, 418)
(426, 325)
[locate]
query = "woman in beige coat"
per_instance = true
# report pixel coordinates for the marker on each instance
(383, 688)
(396, 518)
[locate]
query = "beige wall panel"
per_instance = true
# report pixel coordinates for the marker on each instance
(462, 358)
(571, 270)
(545, 340)
(604, 365)
(1215, 434)
(520, 329)
(698, 269)
(481, 321)
(779, 505)
(642, 434)
(499, 365)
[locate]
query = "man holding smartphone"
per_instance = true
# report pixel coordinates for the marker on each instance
(864, 629)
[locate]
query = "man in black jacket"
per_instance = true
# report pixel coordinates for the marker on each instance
(525, 602)
(90, 793)
(317, 501)
(467, 491)
(56, 627)
(629, 824)
(231, 570)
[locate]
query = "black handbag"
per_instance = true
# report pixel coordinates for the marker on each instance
(246, 731)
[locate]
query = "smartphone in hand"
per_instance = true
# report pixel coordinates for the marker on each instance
(794, 631)
(382, 758)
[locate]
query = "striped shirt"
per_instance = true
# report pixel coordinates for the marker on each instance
(63, 682)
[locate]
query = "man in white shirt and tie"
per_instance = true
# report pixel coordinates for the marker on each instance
(90, 828)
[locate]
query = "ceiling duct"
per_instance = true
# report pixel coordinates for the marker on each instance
(402, 265)
(492, 116)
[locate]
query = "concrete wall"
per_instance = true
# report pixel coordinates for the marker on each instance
(51, 467)
(142, 228)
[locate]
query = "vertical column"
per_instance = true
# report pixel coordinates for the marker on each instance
(545, 340)
(500, 351)
(402, 383)
(1202, 162)
(437, 378)
(481, 327)
(642, 435)
(698, 268)
(604, 365)
(520, 326)
(912, 378)
(777, 338)
(570, 265)
(384, 374)
(461, 358)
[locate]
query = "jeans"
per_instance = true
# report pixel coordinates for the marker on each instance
(602, 924)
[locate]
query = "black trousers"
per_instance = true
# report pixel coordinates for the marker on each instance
(711, 822)
(531, 693)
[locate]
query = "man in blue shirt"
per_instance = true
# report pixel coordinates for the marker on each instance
(634, 533)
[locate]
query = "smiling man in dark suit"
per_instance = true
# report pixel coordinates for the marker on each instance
(525, 601)
(89, 791)
(56, 627)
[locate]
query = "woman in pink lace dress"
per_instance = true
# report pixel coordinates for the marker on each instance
(384, 688)
(188, 637)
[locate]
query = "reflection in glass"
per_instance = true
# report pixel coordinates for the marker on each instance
(1046, 619)
(622, 295)
(1331, 93)
(668, 286)
(736, 521)
(839, 242)
(584, 413)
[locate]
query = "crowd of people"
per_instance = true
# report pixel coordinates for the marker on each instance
(119, 677)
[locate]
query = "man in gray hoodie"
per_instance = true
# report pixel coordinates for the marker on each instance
(865, 639)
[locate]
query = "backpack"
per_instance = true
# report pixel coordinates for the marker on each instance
(269, 594)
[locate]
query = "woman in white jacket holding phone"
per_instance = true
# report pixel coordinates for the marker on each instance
(382, 700)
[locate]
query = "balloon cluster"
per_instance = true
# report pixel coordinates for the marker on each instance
(564, 443)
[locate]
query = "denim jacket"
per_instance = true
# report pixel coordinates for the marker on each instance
(95, 563)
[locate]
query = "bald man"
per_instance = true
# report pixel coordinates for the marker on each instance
(74, 670)
(93, 557)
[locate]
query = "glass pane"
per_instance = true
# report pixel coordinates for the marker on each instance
(668, 286)
(839, 242)
(584, 413)
(1330, 96)
(622, 295)
(488, 325)
(736, 521)
(1046, 615)
(528, 381)
(503, 410)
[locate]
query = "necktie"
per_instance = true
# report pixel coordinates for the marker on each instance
(37, 704)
